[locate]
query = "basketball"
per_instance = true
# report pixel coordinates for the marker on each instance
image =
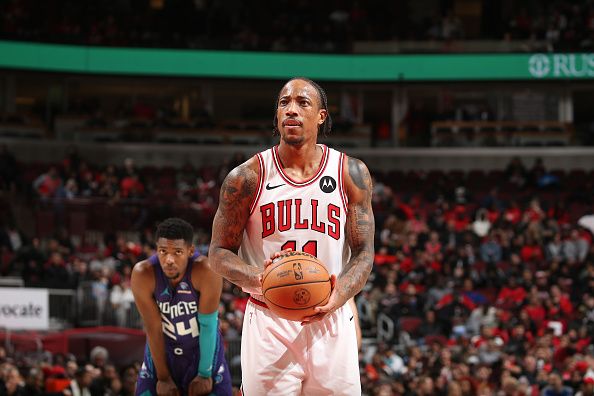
(294, 284)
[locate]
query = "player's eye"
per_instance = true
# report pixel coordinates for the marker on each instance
(179, 252)
(162, 251)
(283, 102)
(304, 103)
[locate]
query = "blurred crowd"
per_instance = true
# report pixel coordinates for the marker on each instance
(58, 374)
(480, 286)
(304, 26)
(491, 297)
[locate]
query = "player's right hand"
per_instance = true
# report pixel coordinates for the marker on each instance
(167, 388)
(200, 386)
(273, 257)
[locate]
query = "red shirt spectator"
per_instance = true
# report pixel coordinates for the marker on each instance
(535, 311)
(511, 295)
(531, 252)
(513, 214)
(131, 187)
(48, 183)
(433, 246)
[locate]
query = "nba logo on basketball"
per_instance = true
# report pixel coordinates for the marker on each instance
(301, 297)
(297, 271)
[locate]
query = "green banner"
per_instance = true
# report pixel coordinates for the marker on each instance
(233, 64)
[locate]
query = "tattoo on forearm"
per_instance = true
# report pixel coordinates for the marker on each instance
(235, 270)
(235, 198)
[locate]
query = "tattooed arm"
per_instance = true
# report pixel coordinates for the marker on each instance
(237, 193)
(360, 229)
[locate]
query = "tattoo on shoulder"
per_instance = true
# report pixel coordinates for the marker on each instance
(359, 173)
(240, 184)
(237, 192)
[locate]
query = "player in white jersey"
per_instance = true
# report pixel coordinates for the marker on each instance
(305, 196)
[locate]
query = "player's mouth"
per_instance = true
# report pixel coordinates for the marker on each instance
(292, 123)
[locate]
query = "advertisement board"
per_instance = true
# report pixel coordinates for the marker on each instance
(24, 309)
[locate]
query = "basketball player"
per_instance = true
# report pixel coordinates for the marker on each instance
(298, 195)
(178, 296)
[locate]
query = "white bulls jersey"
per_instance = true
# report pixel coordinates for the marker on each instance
(309, 215)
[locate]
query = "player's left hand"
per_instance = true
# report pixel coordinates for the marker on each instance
(200, 386)
(334, 302)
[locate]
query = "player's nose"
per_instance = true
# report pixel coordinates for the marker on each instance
(292, 108)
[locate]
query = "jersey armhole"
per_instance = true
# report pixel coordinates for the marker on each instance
(261, 178)
(343, 196)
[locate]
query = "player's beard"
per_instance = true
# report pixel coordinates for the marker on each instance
(173, 277)
(293, 140)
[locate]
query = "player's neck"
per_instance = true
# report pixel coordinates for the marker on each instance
(304, 158)
(174, 282)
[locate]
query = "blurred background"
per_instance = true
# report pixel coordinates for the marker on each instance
(474, 117)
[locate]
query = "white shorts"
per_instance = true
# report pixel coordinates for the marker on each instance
(282, 357)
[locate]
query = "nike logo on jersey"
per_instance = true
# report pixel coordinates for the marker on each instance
(269, 187)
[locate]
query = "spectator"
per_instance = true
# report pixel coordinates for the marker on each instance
(9, 170)
(99, 357)
(122, 301)
(79, 386)
(555, 387)
(13, 382)
(47, 184)
(482, 316)
(511, 295)
(554, 250)
(490, 250)
(103, 385)
(430, 326)
(575, 248)
(34, 384)
(481, 224)
(11, 237)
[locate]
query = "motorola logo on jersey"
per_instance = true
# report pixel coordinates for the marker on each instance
(327, 184)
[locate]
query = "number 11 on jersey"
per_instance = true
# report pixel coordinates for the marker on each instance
(310, 247)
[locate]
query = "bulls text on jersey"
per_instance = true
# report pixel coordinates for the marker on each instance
(287, 214)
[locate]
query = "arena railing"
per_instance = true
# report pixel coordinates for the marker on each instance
(501, 133)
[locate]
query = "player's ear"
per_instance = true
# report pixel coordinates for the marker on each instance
(191, 250)
(323, 115)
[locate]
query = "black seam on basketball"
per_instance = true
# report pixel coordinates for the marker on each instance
(289, 261)
(298, 284)
(297, 309)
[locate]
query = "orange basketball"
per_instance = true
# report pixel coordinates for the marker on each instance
(294, 284)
